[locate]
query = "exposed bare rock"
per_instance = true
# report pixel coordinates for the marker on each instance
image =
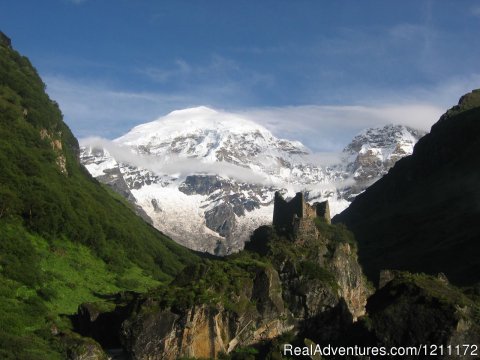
(56, 143)
(354, 288)
(205, 331)
(220, 219)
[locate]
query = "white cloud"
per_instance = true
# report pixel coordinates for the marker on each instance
(101, 110)
(329, 128)
(407, 31)
(217, 73)
(476, 10)
(98, 109)
(175, 165)
(324, 158)
(180, 69)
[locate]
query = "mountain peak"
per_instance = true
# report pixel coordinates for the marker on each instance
(196, 122)
(198, 110)
(386, 137)
(468, 101)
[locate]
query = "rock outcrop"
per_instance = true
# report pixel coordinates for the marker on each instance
(305, 280)
(56, 143)
(152, 331)
(81, 348)
(308, 225)
(353, 286)
(204, 331)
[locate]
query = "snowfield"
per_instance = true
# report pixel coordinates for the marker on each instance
(207, 178)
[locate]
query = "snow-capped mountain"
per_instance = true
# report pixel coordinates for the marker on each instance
(207, 178)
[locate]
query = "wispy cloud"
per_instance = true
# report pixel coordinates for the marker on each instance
(407, 31)
(329, 128)
(261, 50)
(475, 10)
(175, 165)
(217, 71)
(98, 109)
(324, 158)
(101, 110)
(180, 69)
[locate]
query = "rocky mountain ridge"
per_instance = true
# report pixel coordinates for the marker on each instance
(212, 174)
(422, 214)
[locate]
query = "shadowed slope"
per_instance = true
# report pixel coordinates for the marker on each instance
(423, 216)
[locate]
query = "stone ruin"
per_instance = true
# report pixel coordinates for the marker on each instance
(296, 216)
(294, 219)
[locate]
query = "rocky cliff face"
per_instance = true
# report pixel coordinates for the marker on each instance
(353, 286)
(205, 331)
(207, 178)
(151, 330)
(374, 151)
(304, 281)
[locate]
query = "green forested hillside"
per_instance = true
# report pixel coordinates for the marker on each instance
(63, 238)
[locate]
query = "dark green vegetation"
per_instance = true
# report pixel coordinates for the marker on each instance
(423, 216)
(212, 282)
(306, 259)
(419, 309)
(409, 310)
(63, 238)
(224, 280)
(234, 296)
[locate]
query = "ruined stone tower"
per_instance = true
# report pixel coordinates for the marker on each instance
(296, 216)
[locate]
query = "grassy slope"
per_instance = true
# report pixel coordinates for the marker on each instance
(63, 238)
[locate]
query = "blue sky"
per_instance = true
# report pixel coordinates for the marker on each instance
(316, 71)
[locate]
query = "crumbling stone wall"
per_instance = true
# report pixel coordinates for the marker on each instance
(284, 211)
(304, 230)
(322, 210)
